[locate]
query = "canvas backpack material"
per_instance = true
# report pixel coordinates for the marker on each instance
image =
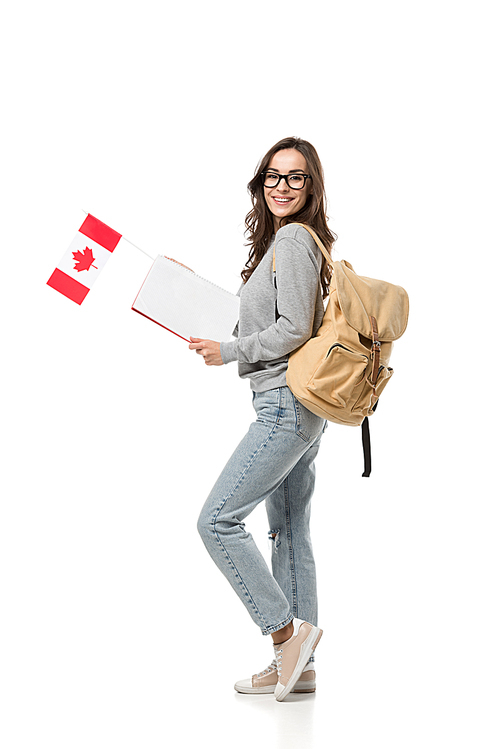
(340, 373)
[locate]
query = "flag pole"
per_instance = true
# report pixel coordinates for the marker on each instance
(126, 240)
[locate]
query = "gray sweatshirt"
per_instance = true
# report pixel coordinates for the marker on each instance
(264, 340)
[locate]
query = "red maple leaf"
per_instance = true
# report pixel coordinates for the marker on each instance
(84, 260)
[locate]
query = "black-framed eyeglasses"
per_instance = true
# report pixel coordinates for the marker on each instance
(294, 181)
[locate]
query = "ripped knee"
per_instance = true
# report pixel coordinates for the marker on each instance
(274, 536)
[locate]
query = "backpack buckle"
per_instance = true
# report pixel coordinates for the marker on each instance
(375, 355)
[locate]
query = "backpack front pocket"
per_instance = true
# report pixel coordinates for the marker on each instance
(365, 402)
(338, 374)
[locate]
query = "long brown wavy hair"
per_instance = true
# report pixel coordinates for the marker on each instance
(259, 222)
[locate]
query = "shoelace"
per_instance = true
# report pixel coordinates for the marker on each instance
(269, 669)
(278, 652)
(276, 664)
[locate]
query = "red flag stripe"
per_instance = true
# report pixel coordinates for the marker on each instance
(100, 233)
(66, 285)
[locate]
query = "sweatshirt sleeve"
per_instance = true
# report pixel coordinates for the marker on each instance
(297, 279)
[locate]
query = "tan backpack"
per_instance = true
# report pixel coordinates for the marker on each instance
(340, 373)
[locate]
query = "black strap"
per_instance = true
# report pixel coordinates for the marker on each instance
(367, 448)
(367, 452)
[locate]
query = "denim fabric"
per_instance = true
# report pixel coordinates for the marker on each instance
(273, 462)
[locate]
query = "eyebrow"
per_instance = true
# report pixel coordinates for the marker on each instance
(291, 171)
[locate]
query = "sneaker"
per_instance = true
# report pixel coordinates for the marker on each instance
(265, 682)
(292, 656)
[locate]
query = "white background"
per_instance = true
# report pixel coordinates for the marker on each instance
(116, 628)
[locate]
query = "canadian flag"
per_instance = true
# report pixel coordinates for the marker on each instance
(84, 259)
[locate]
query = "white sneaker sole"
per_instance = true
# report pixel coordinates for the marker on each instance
(301, 687)
(307, 648)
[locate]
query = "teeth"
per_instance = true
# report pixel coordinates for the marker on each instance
(283, 200)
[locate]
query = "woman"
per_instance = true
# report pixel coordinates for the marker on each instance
(275, 460)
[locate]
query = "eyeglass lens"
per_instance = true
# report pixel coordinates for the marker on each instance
(295, 181)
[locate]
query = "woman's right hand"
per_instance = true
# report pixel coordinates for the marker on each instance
(176, 261)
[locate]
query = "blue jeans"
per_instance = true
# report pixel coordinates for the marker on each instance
(273, 462)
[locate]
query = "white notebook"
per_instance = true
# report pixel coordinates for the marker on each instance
(186, 304)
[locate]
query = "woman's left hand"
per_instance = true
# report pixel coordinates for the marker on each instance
(210, 351)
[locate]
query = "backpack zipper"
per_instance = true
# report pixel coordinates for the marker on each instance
(339, 345)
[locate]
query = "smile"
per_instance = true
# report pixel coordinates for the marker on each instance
(282, 201)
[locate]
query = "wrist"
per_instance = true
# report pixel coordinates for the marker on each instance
(228, 351)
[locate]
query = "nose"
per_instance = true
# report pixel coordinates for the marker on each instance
(282, 185)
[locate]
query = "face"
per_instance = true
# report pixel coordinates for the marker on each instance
(282, 200)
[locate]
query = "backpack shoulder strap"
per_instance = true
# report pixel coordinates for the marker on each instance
(316, 239)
